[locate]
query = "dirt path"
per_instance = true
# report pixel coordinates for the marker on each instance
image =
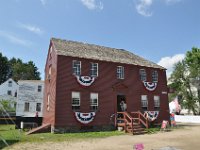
(186, 138)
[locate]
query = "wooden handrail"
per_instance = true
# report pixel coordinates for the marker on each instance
(141, 118)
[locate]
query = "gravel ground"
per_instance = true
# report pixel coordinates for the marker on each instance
(184, 138)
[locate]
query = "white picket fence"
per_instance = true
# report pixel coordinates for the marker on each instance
(189, 119)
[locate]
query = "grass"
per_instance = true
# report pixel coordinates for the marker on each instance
(11, 136)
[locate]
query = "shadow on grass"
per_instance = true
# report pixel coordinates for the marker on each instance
(9, 142)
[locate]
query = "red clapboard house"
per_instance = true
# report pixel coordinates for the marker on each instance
(85, 85)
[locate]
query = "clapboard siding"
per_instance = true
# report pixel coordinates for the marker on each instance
(50, 87)
(66, 83)
(63, 82)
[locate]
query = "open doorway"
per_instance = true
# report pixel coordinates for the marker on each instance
(120, 98)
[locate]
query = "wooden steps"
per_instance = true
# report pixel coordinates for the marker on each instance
(130, 124)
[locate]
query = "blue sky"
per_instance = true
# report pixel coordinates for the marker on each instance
(158, 30)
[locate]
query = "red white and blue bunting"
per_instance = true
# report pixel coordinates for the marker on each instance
(151, 115)
(85, 80)
(151, 86)
(85, 118)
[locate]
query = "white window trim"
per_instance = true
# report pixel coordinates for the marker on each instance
(142, 75)
(120, 72)
(97, 99)
(156, 101)
(155, 75)
(144, 100)
(92, 69)
(79, 98)
(75, 73)
(25, 107)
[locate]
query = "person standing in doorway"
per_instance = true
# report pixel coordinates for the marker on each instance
(123, 106)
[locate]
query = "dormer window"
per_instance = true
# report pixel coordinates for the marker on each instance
(76, 66)
(143, 75)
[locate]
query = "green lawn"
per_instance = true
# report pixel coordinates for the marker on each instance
(11, 136)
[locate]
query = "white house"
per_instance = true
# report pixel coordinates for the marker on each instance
(30, 98)
(8, 91)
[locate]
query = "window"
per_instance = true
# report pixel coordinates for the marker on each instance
(156, 101)
(50, 70)
(94, 70)
(39, 88)
(143, 75)
(15, 94)
(50, 52)
(10, 84)
(9, 92)
(154, 76)
(93, 101)
(48, 102)
(120, 72)
(38, 107)
(144, 102)
(26, 107)
(76, 100)
(76, 67)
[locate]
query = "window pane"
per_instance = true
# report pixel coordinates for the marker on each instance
(120, 72)
(155, 76)
(76, 67)
(143, 75)
(38, 107)
(156, 101)
(39, 88)
(75, 98)
(10, 84)
(94, 69)
(26, 106)
(144, 101)
(93, 101)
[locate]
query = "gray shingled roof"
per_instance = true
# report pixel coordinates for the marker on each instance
(91, 51)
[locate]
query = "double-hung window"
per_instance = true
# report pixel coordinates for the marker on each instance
(143, 75)
(76, 67)
(94, 70)
(93, 101)
(157, 102)
(154, 76)
(39, 88)
(26, 107)
(76, 101)
(38, 107)
(144, 102)
(120, 72)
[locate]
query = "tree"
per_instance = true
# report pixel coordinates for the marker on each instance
(193, 61)
(182, 80)
(18, 70)
(4, 68)
(25, 71)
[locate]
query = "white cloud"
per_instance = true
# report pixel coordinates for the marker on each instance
(172, 1)
(142, 7)
(169, 62)
(92, 4)
(31, 28)
(43, 2)
(14, 39)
